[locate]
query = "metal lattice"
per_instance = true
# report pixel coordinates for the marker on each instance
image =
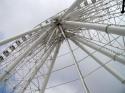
(96, 27)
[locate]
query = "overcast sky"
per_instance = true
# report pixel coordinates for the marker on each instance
(17, 16)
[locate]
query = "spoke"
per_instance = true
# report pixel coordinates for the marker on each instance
(23, 34)
(72, 7)
(36, 69)
(38, 63)
(16, 37)
(118, 30)
(17, 61)
(42, 90)
(102, 50)
(27, 62)
(107, 67)
(19, 49)
(84, 85)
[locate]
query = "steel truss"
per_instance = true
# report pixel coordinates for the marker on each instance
(30, 57)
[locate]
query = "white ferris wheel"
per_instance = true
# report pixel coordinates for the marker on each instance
(88, 33)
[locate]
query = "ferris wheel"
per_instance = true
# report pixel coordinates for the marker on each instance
(89, 31)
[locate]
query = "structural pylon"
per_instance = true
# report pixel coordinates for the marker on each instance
(97, 25)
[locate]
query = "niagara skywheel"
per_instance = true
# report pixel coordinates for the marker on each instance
(79, 41)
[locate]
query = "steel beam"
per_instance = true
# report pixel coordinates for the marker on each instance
(86, 90)
(118, 30)
(16, 37)
(114, 56)
(42, 90)
(17, 61)
(36, 69)
(3, 42)
(109, 68)
(47, 48)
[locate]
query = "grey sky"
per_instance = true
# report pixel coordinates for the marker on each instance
(17, 16)
(21, 15)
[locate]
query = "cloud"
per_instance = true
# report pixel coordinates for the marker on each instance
(18, 16)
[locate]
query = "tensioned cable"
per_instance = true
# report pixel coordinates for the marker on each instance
(99, 6)
(40, 46)
(23, 78)
(98, 42)
(79, 60)
(68, 52)
(84, 76)
(21, 48)
(103, 47)
(104, 43)
(23, 65)
(33, 56)
(100, 66)
(78, 79)
(62, 84)
(118, 12)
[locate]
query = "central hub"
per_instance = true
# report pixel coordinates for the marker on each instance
(57, 22)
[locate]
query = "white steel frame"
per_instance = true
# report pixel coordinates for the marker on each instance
(93, 25)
